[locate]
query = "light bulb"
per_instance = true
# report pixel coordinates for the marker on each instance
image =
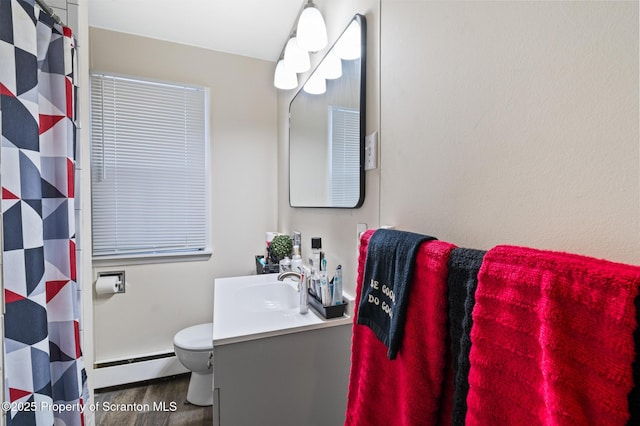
(311, 30)
(330, 67)
(296, 59)
(349, 44)
(284, 78)
(316, 85)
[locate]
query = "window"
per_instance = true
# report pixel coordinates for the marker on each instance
(344, 151)
(149, 168)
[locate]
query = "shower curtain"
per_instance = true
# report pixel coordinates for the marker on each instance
(45, 381)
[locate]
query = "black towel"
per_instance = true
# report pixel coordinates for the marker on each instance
(462, 281)
(388, 273)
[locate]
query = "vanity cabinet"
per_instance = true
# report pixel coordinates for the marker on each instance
(291, 379)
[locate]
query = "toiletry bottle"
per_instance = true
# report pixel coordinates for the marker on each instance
(316, 253)
(314, 283)
(296, 260)
(297, 240)
(337, 287)
(330, 290)
(304, 296)
(324, 289)
(285, 264)
(269, 236)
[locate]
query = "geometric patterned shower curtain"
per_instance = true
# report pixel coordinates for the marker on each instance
(45, 381)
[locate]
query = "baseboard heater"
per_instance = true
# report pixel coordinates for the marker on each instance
(121, 372)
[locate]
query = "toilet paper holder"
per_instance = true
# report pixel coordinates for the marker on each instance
(120, 279)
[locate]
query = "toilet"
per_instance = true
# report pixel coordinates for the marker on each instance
(194, 349)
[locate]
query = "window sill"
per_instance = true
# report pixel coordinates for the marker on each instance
(151, 258)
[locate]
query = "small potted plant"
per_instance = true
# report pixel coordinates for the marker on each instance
(280, 247)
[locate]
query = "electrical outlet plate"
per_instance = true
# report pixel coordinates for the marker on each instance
(371, 151)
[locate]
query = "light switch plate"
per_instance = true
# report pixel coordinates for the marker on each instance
(361, 228)
(371, 151)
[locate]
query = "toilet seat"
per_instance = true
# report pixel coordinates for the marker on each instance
(195, 338)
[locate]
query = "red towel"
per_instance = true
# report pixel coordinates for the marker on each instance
(409, 389)
(552, 340)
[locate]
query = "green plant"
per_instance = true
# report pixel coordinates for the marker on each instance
(280, 247)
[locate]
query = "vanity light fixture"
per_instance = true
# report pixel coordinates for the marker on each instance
(311, 30)
(284, 78)
(309, 34)
(295, 58)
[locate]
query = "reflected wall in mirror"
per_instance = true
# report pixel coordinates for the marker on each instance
(326, 127)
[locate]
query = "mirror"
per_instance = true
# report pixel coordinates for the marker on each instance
(326, 127)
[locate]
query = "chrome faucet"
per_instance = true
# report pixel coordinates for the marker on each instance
(302, 288)
(289, 274)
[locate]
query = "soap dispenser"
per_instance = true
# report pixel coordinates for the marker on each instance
(296, 260)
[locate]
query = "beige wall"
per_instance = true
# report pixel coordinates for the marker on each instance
(512, 123)
(163, 298)
(500, 123)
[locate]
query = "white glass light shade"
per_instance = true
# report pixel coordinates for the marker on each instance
(284, 78)
(330, 67)
(316, 85)
(311, 30)
(349, 44)
(296, 59)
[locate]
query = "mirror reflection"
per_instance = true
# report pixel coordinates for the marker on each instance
(326, 127)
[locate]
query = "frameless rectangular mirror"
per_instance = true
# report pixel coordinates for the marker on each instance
(326, 127)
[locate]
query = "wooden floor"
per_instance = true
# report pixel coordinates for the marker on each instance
(160, 402)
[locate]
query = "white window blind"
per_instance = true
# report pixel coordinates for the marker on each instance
(148, 167)
(345, 156)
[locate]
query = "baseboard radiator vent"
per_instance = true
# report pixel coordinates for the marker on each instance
(139, 369)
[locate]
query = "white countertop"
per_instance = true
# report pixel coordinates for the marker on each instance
(235, 318)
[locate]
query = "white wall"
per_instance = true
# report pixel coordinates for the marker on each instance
(163, 298)
(512, 123)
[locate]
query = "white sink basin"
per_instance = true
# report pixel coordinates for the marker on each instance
(275, 296)
(257, 306)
